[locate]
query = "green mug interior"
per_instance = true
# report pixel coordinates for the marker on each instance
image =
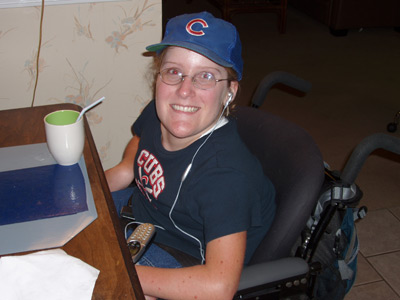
(62, 117)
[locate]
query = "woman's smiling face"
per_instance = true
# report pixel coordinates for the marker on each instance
(185, 111)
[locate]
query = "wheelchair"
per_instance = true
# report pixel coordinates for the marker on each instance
(285, 265)
(310, 199)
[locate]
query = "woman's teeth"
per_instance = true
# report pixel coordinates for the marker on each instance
(185, 108)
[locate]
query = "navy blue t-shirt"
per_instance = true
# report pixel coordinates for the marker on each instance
(225, 191)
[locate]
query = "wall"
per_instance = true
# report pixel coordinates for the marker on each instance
(88, 51)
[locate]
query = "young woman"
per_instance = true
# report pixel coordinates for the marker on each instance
(195, 179)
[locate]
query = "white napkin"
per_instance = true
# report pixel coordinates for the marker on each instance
(45, 275)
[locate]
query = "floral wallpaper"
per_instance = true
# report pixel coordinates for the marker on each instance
(87, 51)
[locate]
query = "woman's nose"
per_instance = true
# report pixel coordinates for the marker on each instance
(186, 87)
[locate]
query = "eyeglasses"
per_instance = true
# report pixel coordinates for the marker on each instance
(202, 80)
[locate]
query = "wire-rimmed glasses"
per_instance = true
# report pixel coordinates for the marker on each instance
(202, 80)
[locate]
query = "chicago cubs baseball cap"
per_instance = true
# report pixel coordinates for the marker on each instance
(212, 37)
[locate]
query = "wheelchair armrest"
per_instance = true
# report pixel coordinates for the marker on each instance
(272, 271)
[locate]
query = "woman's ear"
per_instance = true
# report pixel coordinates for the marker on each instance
(233, 88)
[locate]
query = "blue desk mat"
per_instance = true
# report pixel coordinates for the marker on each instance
(41, 192)
(42, 205)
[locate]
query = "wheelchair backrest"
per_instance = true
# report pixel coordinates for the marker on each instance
(293, 162)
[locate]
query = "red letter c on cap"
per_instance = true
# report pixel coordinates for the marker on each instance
(194, 32)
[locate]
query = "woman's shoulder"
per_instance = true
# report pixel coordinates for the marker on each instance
(147, 116)
(227, 150)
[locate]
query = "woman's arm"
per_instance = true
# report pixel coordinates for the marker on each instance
(218, 278)
(120, 176)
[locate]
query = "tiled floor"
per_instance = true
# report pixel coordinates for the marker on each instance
(379, 234)
(379, 263)
(355, 92)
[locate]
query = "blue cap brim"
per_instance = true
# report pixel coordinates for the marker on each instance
(196, 48)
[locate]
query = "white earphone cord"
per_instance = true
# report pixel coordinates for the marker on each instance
(184, 177)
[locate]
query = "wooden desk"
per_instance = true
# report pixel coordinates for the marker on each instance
(101, 244)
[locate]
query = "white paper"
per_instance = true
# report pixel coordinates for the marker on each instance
(45, 275)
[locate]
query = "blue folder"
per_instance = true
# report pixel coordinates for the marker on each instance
(41, 192)
(42, 204)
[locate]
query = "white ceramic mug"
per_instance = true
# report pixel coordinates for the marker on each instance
(65, 137)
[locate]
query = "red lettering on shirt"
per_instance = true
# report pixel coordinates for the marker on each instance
(151, 181)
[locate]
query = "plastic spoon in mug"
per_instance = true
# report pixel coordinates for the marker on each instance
(89, 107)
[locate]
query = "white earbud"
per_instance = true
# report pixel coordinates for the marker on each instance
(230, 98)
